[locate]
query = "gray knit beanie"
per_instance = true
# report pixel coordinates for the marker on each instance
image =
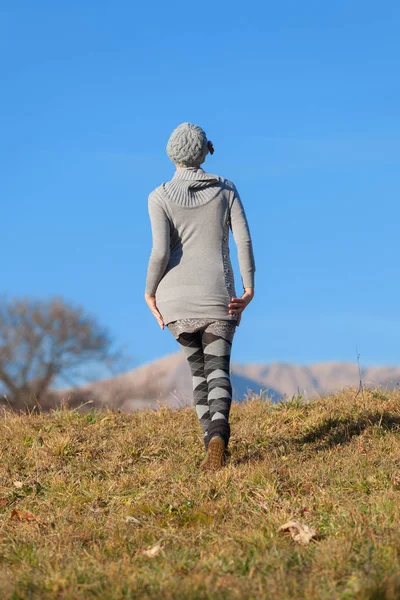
(187, 145)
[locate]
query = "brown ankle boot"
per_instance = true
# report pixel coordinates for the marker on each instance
(214, 458)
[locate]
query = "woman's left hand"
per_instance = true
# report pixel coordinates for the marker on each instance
(151, 303)
(237, 305)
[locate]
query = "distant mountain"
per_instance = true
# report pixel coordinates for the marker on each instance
(167, 381)
(318, 379)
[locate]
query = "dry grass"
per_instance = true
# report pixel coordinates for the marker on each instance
(333, 464)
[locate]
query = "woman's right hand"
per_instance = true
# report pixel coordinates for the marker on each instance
(237, 305)
(151, 303)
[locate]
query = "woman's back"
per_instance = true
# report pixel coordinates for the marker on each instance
(191, 216)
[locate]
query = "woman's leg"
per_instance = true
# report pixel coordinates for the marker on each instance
(192, 348)
(217, 356)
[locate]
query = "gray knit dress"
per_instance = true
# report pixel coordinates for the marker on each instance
(190, 270)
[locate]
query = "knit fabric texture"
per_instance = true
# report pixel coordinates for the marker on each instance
(187, 145)
(190, 270)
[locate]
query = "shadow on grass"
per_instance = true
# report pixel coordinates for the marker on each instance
(329, 433)
(341, 431)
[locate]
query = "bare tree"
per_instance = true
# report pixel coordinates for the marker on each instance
(45, 341)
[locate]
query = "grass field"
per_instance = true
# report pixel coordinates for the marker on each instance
(123, 511)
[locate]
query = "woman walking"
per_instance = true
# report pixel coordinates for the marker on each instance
(190, 285)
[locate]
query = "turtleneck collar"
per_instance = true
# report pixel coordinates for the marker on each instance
(191, 187)
(193, 174)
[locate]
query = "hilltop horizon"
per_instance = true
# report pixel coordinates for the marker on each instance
(283, 361)
(168, 381)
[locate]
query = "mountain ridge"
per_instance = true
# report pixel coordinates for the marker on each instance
(167, 381)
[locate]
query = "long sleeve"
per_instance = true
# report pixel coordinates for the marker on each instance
(242, 237)
(160, 253)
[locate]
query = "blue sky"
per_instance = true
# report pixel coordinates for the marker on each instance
(302, 102)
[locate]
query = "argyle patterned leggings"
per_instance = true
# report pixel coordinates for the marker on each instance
(209, 357)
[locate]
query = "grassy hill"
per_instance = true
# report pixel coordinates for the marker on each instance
(108, 487)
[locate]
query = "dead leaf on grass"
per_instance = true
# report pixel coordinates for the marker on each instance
(302, 534)
(17, 515)
(129, 519)
(396, 479)
(96, 509)
(18, 484)
(156, 549)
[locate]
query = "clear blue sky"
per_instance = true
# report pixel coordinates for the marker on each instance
(302, 102)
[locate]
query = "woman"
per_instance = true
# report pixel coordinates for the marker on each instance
(190, 285)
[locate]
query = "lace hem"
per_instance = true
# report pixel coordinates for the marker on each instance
(222, 328)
